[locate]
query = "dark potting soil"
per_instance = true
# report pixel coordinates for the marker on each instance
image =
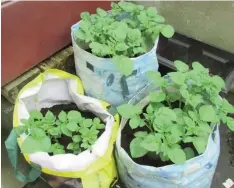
(230, 142)
(128, 135)
(110, 56)
(56, 109)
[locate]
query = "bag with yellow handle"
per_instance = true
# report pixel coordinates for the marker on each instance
(94, 167)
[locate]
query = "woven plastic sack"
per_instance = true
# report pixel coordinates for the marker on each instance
(196, 172)
(94, 168)
(102, 79)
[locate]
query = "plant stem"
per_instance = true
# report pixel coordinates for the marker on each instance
(168, 102)
(148, 126)
(180, 103)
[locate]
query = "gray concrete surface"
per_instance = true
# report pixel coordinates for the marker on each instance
(208, 21)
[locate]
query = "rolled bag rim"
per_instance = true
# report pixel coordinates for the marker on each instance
(107, 157)
(135, 60)
(151, 171)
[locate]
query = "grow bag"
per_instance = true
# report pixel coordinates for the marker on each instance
(196, 172)
(87, 169)
(102, 79)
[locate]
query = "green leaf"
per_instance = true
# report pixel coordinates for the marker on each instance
(157, 96)
(87, 122)
(76, 138)
(124, 64)
(195, 100)
(177, 155)
(176, 129)
(100, 49)
(20, 130)
(188, 139)
(189, 153)
(101, 12)
(177, 77)
(50, 116)
(181, 66)
(80, 34)
(85, 145)
(227, 107)
(140, 134)
(84, 131)
(151, 11)
(184, 93)
(62, 116)
(35, 114)
(70, 146)
(135, 122)
(84, 15)
(156, 106)
(168, 31)
(143, 18)
(200, 144)
(25, 122)
(32, 145)
(138, 50)
(134, 34)
(189, 122)
(218, 82)
(58, 151)
(207, 113)
(167, 113)
(54, 131)
(149, 109)
(66, 131)
(179, 115)
(129, 110)
(204, 127)
(37, 133)
(173, 139)
(153, 75)
(135, 148)
(151, 143)
(230, 123)
(164, 157)
(72, 126)
(198, 67)
(74, 116)
(96, 120)
(100, 126)
(193, 115)
(121, 47)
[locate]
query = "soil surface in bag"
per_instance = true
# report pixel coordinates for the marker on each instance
(110, 56)
(150, 159)
(56, 109)
(230, 141)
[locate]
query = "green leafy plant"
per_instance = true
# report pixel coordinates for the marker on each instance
(128, 30)
(181, 114)
(43, 132)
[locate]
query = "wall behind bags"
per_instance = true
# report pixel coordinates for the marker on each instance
(211, 22)
(34, 30)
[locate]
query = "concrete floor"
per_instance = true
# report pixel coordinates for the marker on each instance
(223, 171)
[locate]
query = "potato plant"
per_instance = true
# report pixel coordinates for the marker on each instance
(128, 30)
(43, 132)
(181, 114)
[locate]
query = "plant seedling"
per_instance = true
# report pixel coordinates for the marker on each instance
(182, 111)
(127, 31)
(42, 131)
